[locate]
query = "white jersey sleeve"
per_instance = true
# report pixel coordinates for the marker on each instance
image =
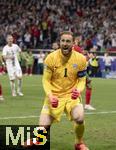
(4, 52)
(18, 49)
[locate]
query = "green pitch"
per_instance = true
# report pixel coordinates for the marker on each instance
(100, 131)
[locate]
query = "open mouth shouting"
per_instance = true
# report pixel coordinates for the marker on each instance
(66, 50)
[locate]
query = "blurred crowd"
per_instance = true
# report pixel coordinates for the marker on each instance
(37, 24)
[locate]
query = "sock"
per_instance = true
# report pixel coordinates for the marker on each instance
(31, 70)
(0, 90)
(79, 131)
(19, 84)
(12, 83)
(88, 96)
(26, 70)
(0, 69)
(3, 69)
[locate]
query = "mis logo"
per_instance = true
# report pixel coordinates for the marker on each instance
(14, 137)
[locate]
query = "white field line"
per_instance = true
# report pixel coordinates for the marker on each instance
(87, 113)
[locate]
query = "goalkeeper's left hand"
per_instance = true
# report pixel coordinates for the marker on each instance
(75, 94)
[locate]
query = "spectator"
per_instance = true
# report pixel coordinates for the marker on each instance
(40, 57)
(45, 19)
(30, 62)
(94, 65)
(108, 61)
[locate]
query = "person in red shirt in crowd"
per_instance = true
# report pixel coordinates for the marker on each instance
(88, 93)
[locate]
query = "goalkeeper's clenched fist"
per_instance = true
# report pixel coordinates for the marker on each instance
(53, 100)
(75, 94)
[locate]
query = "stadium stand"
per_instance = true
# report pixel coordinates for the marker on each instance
(37, 24)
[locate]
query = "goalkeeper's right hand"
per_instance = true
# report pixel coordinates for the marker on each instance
(75, 94)
(53, 100)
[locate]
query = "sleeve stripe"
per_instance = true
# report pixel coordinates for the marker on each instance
(81, 74)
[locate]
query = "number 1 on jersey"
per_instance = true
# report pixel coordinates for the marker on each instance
(65, 72)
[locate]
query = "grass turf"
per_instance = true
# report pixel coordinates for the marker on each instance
(100, 131)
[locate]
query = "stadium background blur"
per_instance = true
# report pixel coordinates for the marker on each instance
(35, 25)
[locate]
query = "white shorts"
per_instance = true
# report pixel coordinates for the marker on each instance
(14, 72)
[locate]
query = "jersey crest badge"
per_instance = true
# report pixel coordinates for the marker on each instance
(74, 66)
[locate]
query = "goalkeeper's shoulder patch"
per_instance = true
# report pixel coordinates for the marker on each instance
(81, 74)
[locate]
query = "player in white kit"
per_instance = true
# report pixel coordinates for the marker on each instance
(10, 52)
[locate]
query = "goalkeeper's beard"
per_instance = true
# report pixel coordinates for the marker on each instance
(66, 51)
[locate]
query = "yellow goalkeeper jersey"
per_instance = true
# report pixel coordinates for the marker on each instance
(62, 74)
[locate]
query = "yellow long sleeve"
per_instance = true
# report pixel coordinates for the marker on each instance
(47, 82)
(81, 84)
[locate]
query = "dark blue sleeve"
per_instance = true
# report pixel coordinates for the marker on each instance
(81, 74)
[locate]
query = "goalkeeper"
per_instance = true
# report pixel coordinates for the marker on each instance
(63, 81)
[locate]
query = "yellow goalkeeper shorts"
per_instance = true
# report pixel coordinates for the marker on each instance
(64, 105)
